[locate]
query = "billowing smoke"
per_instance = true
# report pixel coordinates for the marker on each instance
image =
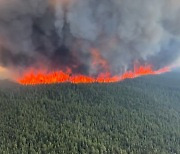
(61, 34)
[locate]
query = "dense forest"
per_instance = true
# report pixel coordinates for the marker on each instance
(139, 116)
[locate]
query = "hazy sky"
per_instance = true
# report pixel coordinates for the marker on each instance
(34, 33)
(4, 73)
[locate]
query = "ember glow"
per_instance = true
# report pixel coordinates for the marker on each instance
(33, 77)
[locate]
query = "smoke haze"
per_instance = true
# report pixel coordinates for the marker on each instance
(61, 34)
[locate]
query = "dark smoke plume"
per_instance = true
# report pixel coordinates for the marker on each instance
(61, 33)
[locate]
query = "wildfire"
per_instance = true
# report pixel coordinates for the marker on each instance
(98, 61)
(33, 77)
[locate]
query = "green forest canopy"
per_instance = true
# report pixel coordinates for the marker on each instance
(135, 116)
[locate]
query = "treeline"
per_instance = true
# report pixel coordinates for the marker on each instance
(140, 116)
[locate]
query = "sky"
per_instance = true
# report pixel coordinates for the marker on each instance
(64, 33)
(4, 73)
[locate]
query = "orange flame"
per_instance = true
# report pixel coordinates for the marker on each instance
(33, 77)
(98, 61)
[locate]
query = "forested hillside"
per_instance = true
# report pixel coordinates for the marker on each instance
(139, 116)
